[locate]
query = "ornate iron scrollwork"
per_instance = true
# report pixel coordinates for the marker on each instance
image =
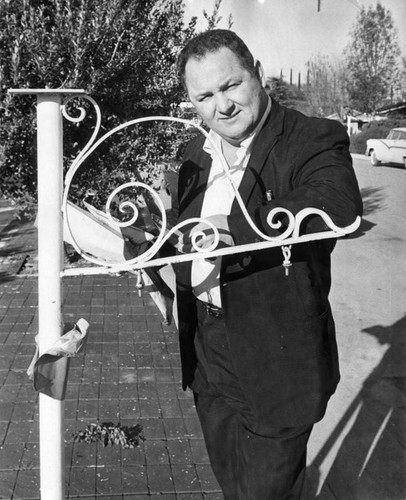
(290, 235)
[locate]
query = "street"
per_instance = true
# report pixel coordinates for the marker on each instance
(358, 449)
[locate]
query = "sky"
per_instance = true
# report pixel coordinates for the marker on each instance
(284, 34)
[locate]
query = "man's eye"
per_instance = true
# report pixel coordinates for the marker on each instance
(232, 86)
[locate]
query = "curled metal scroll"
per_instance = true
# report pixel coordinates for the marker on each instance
(289, 236)
(79, 119)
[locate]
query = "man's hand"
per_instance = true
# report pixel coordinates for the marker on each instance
(204, 236)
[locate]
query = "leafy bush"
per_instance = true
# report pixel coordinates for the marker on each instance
(373, 130)
(122, 53)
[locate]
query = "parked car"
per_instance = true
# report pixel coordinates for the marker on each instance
(389, 150)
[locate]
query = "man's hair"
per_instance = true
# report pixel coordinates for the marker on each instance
(212, 41)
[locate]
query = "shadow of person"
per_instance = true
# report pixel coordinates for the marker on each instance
(371, 459)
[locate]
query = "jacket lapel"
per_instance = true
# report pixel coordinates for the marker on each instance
(264, 143)
(191, 201)
(193, 179)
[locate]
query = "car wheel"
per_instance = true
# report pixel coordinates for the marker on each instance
(374, 160)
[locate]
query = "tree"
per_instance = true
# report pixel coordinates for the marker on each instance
(326, 89)
(277, 88)
(403, 80)
(372, 59)
(214, 19)
(289, 95)
(122, 52)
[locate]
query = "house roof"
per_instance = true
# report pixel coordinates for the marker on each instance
(392, 107)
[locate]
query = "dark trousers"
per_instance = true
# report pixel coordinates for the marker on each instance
(249, 463)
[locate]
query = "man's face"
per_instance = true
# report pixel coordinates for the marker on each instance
(229, 99)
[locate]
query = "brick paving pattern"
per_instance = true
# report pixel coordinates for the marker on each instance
(128, 374)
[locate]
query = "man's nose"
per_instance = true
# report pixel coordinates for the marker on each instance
(223, 103)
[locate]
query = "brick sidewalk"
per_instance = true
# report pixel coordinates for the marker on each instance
(129, 373)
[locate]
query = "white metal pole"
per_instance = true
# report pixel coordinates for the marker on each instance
(50, 247)
(50, 260)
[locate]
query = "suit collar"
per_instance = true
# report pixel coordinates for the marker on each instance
(196, 168)
(264, 143)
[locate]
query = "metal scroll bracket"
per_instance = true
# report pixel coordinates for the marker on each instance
(289, 236)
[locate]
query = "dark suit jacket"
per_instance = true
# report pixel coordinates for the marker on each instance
(281, 330)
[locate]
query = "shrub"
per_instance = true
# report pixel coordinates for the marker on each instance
(122, 52)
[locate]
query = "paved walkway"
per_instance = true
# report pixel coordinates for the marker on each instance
(129, 373)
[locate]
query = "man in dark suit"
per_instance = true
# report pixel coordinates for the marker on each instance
(257, 339)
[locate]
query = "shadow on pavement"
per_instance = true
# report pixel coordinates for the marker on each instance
(6, 277)
(6, 251)
(373, 201)
(364, 227)
(370, 463)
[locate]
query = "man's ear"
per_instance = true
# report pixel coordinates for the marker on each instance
(259, 72)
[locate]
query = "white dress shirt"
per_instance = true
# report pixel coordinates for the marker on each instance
(218, 199)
